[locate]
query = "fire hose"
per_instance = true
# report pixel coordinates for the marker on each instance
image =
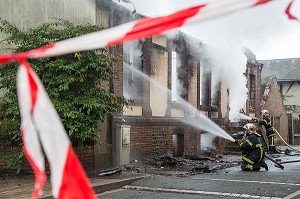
(285, 141)
(277, 164)
(254, 119)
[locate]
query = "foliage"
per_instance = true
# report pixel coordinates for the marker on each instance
(76, 83)
(14, 160)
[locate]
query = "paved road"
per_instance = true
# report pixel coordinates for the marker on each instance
(229, 183)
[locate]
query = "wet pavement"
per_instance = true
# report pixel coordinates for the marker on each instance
(21, 186)
(227, 166)
(231, 182)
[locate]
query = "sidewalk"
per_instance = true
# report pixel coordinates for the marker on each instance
(21, 187)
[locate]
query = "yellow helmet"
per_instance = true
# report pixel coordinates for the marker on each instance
(264, 113)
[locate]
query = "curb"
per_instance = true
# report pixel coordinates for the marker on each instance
(101, 188)
(114, 185)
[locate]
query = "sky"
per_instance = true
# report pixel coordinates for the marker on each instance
(265, 29)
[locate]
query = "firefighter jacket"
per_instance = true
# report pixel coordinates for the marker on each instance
(266, 122)
(251, 147)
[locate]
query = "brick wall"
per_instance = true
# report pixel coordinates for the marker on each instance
(149, 142)
(85, 156)
(254, 88)
(153, 137)
(3, 162)
(192, 141)
(276, 108)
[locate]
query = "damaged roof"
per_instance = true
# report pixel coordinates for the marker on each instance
(283, 69)
(267, 91)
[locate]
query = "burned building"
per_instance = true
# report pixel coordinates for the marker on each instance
(169, 86)
(165, 78)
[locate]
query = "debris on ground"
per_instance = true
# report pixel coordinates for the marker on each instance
(182, 166)
(110, 171)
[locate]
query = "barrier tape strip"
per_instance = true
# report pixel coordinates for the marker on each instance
(41, 125)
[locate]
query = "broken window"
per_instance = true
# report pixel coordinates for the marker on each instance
(205, 78)
(132, 78)
(174, 86)
(252, 92)
(215, 95)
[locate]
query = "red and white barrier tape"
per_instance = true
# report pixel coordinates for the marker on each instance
(141, 28)
(41, 125)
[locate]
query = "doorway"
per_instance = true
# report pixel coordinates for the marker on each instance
(178, 142)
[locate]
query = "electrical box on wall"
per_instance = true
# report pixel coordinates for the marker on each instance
(125, 136)
(121, 143)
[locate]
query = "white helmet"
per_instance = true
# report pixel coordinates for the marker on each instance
(264, 113)
(250, 127)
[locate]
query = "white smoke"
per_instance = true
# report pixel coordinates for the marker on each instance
(132, 53)
(228, 64)
(207, 141)
(265, 29)
(258, 28)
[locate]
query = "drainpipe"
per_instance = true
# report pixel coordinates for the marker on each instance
(111, 89)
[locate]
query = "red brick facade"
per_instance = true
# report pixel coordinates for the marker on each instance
(253, 74)
(153, 137)
(85, 156)
(272, 101)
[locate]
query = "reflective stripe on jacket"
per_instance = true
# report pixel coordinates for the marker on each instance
(251, 148)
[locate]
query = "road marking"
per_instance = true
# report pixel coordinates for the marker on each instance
(247, 181)
(181, 191)
(297, 193)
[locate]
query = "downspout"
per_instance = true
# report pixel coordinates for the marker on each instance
(111, 89)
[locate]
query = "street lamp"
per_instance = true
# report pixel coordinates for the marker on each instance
(128, 1)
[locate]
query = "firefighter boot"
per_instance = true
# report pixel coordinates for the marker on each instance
(264, 165)
(272, 150)
(256, 166)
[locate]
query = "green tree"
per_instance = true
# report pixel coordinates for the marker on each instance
(74, 82)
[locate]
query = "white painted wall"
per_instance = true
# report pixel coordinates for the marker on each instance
(292, 96)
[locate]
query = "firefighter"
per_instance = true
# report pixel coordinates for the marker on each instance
(252, 151)
(266, 122)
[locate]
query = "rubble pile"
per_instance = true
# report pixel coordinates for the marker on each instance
(182, 166)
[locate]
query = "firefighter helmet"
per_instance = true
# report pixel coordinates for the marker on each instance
(250, 127)
(264, 113)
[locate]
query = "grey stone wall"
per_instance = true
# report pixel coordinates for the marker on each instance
(31, 13)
